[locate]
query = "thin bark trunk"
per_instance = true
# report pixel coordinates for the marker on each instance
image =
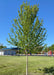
(26, 63)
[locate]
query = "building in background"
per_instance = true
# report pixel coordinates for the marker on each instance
(9, 51)
(49, 52)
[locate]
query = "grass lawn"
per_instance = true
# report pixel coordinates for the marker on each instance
(16, 65)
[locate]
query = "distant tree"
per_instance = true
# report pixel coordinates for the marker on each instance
(51, 47)
(1, 46)
(27, 32)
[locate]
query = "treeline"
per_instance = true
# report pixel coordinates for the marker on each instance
(49, 48)
(37, 50)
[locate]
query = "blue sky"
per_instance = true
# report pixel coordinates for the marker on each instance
(8, 11)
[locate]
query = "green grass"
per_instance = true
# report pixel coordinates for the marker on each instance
(16, 65)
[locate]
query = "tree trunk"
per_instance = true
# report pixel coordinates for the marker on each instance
(26, 63)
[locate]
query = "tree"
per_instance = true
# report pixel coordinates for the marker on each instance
(27, 32)
(1, 46)
(51, 47)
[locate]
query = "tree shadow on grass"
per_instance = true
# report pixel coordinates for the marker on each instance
(49, 70)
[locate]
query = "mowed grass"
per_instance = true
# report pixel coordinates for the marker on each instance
(16, 65)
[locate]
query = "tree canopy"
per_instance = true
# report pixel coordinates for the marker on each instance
(27, 30)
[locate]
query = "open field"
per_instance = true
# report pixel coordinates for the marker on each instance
(16, 65)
